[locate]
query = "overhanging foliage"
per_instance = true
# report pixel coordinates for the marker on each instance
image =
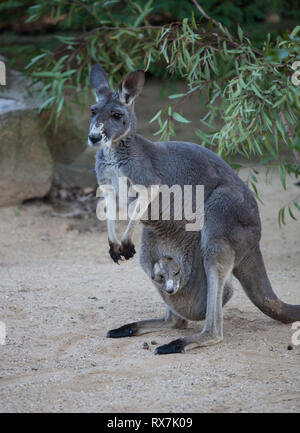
(252, 106)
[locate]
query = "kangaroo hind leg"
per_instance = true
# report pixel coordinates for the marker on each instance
(171, 320)
(218, 263)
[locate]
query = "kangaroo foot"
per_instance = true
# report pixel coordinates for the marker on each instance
(127, 250)
(187, 343)
(123, 331)
(175, 346)
(115, 252)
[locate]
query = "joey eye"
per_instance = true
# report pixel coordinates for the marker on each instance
(116, 116)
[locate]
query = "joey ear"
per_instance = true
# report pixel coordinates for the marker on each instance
(152, 274)
(131, 86)
(155, 270)
(99, 81)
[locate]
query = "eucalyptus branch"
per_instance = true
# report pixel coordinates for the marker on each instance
(289, 135)
(202, 12)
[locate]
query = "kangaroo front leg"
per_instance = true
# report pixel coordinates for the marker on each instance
(109, 213)
(146, 196)
(115, 249)
(114, 244)
(128, 248)
(218, 268)
(171, 320)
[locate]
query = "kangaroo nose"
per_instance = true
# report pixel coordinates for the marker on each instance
(95, 138)
(170, 291)
(169, 286)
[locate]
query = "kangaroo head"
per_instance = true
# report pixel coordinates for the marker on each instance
(113, 117)
(166, 272)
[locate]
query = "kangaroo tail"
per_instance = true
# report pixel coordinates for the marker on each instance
(252, 275)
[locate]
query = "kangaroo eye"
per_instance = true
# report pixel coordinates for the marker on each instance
(176, 273)
(116, 116)
(93, 111)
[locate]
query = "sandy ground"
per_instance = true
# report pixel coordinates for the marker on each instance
(60, 293)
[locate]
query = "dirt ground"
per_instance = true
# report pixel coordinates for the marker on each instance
(60, 293)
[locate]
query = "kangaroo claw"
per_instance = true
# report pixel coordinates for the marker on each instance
(175, 346)
(127, 250)
(123, 331)
(115, 252)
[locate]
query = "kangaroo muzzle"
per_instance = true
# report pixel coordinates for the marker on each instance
(171, 287)
(95, 139)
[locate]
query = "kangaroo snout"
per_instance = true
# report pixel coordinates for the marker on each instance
(95, 139)
(171, 287)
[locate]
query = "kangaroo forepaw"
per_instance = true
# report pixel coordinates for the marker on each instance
(123, 331)
(115, 252)
(127, 250)
(175, 346)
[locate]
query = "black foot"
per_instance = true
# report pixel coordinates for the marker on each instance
(115, 252)
(127, 250)
(123, 331)
(175, 346)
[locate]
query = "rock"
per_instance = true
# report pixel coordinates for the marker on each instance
(16, 95)
(80, 173)
(26, 165)
(66, 142)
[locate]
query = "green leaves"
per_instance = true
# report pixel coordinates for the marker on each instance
(240, 33)
(282, 174)
(296, 144)
(157, 115)
(276, 55)
(295, 34)
(242, 92)
(179, 118)
(292, 208)
(281, 216)
(179, 95)
(143, 12)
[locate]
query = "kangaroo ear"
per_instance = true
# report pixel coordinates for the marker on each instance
(99, 81)
(155, 270)
(131, 86)
(152, 274)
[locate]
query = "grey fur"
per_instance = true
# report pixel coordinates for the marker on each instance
(228, 243)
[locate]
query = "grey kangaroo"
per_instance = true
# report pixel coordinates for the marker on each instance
(227, 244)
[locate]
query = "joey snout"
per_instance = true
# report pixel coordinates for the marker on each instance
(171, 287)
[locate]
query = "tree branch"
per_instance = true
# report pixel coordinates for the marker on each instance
(289, 135)
(202, 12)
